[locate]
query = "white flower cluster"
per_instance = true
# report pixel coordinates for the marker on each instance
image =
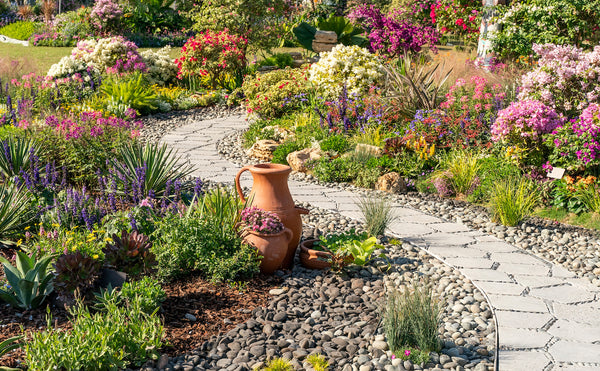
(350, 65)
(67, 66)
(161, 68)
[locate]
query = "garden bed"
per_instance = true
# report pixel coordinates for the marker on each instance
(194, 311)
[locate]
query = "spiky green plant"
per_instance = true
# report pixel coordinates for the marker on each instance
(15, 212)
(279, 364)
(132, 92)
(415, 84)
(16, 155)
(412, 318)
(513, 199)
(461, 169)
(158, 163)
(590, 197)
(377, 214)
(318, 362)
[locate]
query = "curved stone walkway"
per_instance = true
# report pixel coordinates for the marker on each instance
(547, 318)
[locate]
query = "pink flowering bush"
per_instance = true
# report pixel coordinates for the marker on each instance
(105, 15)
(576, 144)
(216, 55)
(566, 79)
(476, 98)
(109, 55)
(84, 142)
(523, 123)
(261, 221)
(461, 18)
(391, 34)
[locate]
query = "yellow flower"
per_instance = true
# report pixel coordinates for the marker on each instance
(95, 256)
(26, 228)
(19, 242)
(69, 239)
(55, 225)
(108, 239)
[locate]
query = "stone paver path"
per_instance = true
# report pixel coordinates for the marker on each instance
(547, 318)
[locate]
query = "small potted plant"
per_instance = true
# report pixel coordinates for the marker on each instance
(265, 231)
(337, 250)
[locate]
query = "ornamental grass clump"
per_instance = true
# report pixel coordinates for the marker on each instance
(261, 221)
(412, 317)
(458, 174)
(377, 214)
(512, 200)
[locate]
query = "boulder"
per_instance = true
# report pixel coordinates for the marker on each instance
(297, 160)
(367, 148)
(391, 182)
(328, 37)
(263, 149)
(319, 47)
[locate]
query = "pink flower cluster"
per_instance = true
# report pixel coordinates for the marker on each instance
(92, 123)
(476, 98)
(105, 13)
(525, 121)
(566, 79)
(261, 221)
(577, 143)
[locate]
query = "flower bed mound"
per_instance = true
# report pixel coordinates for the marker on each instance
(216, 308)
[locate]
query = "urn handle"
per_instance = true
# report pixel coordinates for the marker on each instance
(237, 183)
(288, 234)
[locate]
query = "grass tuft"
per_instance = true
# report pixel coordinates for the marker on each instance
(513, 200)
(377, 215)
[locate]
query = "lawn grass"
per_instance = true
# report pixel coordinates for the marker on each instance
(586, 220)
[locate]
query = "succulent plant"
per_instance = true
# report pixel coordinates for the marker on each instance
(130, 253)
(74, 274)
(28, 283)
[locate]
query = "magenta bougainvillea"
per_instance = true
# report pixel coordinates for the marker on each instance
(524, 122)
(392, 34)
(576, 144)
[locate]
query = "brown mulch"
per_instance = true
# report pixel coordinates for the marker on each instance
(217, 308)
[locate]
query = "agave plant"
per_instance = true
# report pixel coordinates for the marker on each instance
(75, 273)
(29, 282)
(417, 85)
(149, 169)
(130, 253)
(16, 155)
(132, 92)
(15, 213)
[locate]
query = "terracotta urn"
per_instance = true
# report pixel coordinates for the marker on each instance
(270, 192)
(273, 247)
(314, 259)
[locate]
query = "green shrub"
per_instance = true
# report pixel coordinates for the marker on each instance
(280, 60)
(411, 318)
(377, 214)
(255, 132)
(335, 143)
(512, 200)
(367, 176)
(147, 291)
(280, 154)
(590, 197)
(196, 243)
(333, 170)
(113, 338)
(318, 362)
(274, 93)
(21, 30)
(492, 170)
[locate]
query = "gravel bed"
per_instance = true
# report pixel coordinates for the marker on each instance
(338, 315)
(157, 125)
(575, 248)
